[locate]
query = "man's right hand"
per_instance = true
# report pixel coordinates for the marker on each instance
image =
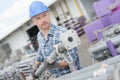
(63, 64)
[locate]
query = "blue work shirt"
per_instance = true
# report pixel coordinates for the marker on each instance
(46, 48)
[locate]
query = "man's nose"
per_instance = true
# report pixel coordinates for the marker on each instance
(42, 20)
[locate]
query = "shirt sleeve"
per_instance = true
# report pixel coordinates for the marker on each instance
(39, 56)
(75, 57)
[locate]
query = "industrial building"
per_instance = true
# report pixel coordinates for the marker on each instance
(96, 22)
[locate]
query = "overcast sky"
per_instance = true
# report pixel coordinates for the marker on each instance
(13, 13)
(5, 4)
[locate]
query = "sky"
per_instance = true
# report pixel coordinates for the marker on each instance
(5, 5)
(13, 13)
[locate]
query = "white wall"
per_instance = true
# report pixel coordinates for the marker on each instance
(73, 8)
(61, 9)
(18, 38)
(83, 10)
(88, 6)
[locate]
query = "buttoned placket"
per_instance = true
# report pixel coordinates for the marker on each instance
(45, 45)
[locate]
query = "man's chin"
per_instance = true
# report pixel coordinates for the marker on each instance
(45, 27)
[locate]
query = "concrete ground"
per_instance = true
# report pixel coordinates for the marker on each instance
(85, 58)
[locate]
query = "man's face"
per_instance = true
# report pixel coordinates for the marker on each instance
(42, 21)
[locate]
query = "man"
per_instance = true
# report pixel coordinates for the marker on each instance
(47, 37)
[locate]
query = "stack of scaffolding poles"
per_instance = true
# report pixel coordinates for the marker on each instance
(86, 73)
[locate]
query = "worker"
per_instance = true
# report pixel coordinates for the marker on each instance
(47, 37)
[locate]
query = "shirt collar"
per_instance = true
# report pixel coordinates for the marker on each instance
(51, 30)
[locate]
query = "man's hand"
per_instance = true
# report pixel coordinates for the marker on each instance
(63, 64)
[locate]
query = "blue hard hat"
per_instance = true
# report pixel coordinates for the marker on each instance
(36, 8)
